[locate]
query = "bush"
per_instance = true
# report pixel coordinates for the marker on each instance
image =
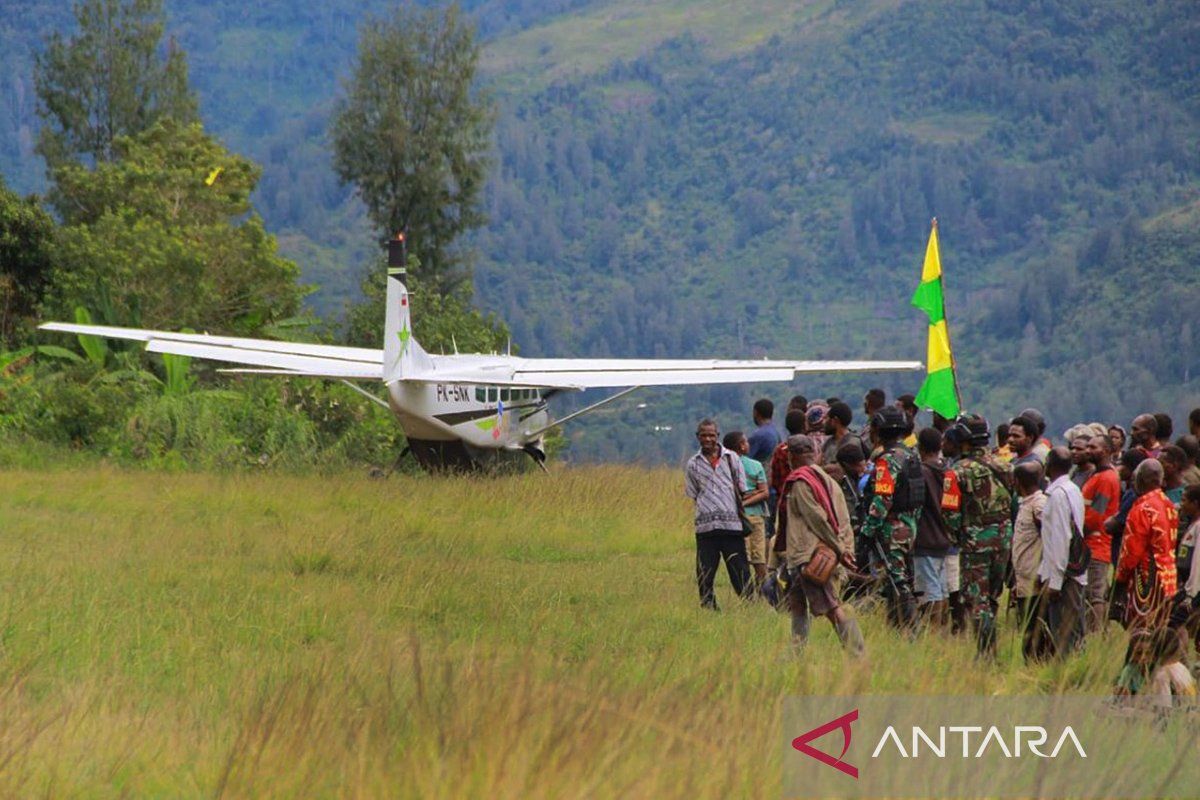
(296, 425)
(80, 406)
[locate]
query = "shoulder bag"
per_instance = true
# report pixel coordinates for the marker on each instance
(737, 499)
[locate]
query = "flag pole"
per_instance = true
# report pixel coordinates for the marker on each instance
(946, 317)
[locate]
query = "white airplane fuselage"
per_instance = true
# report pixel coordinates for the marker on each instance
(439, 418)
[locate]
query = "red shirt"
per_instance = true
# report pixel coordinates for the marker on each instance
(780, 469)
(1101, 500)
(1150, 534)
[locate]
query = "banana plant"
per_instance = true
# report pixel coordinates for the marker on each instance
(10, 359)
(95, 347)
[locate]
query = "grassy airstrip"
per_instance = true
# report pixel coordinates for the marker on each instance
(199, 635)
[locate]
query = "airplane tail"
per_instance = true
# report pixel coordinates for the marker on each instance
(402, 355)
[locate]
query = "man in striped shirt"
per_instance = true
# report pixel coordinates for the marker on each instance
(714, 479)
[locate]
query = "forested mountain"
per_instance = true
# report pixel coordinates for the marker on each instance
(757, 178)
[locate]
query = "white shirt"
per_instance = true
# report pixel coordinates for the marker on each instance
(1189, 539)
(1064, 503)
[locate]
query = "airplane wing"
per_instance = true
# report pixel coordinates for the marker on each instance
(331, 361)
(589, 373)
(291, 358)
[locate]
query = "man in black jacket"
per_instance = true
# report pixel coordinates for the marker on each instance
(933, 541)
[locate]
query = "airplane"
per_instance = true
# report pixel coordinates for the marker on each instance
(456, 410)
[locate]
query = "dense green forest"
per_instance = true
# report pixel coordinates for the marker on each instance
(757, 178)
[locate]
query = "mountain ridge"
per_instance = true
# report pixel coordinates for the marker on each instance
(716, 180)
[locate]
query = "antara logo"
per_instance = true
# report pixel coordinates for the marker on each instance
(1027, 738)
(843, 723)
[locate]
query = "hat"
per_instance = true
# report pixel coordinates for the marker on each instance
(817, 411)
(799, 443)
(890, 419)
(969, 428)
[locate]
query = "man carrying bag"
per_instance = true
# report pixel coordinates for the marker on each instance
(818, 546)
(713, 479)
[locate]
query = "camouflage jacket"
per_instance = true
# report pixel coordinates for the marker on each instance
(881, 520)
(977, 496)
(855, 502)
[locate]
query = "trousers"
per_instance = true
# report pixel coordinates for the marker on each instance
(711, 549)
(1054, 627)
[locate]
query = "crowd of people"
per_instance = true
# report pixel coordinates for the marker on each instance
(939, 521)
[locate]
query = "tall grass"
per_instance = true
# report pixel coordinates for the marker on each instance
(528, 636)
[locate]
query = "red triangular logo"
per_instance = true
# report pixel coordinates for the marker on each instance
(801, 743)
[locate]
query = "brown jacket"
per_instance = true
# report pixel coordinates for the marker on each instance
(808, 525)
(1027, 543)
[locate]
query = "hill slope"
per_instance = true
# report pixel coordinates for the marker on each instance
(707, 177)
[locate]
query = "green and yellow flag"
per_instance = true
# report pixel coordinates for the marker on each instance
(940, 389)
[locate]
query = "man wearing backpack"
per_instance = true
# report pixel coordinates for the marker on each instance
(897, 493)
(1061, 611)
(981, 523)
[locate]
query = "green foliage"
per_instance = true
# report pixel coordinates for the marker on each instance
(106, 82)
(682, 179)
(163, 246)
(26, 237)
(94, 347)
(412, 133)
(9, 359)
(80, 406)
(179, 379)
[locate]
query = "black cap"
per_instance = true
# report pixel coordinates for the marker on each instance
(969, 428)
(890, 419)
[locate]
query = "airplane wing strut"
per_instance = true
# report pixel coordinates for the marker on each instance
(583, 411)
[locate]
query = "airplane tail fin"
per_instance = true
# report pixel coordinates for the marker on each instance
(402, 355)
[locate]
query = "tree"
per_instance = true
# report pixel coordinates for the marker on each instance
(110, 80)
(26, 236)
(164, 236)
(412, 135)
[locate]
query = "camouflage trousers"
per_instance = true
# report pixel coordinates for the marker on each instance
(984, 560)
(893, 553)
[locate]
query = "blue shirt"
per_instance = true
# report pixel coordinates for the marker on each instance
(763, 442)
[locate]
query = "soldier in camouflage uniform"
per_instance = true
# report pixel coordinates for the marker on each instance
(853, 464)
(890, 525)
(977, 503)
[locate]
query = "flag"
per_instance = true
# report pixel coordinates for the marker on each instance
(940, 389)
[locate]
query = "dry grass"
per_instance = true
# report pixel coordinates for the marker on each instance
(198, 635)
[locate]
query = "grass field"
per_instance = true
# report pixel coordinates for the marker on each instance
(534, 636)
